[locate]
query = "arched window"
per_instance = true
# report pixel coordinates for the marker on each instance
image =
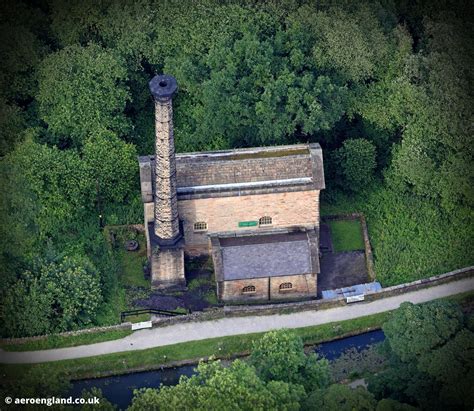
(200, 226)
(286, 286)
(265, 220)
(249, 289)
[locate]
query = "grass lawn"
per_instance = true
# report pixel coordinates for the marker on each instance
(131, 273)
(138, 318)
(346, 235)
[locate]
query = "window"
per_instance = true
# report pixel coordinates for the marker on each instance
(200, 226)
(286, 286)
(249, 289)
(265, 220)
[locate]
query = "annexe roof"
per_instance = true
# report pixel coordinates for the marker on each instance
(266, 255)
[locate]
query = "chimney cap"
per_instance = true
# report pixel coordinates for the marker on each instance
(163, 87)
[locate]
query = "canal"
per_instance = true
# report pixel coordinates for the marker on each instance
(119, 389)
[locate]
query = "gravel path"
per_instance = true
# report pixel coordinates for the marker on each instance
(178, 333)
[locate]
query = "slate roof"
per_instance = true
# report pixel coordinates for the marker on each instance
(241, 171)
(247, 256)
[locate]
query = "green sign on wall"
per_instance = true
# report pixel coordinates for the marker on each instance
(248, 223)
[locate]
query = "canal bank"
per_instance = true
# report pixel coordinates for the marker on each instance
(236, 326)
(119, 389)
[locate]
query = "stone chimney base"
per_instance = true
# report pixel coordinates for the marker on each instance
(167, 268)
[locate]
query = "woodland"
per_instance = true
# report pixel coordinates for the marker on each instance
(384, 86)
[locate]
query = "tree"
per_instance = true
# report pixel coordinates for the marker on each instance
(280, 356)
(110, 165)
(340, 397)
(236, 387)
(430, 360)
(74, 286)
(54, 186)
(452, 365)
(82, 91)
(12, 123)
(355, 162)
(26, 308)
(20, 51)
(388, 404)
(414, 330)
(57, 296)
(436, 152)
(104, 403)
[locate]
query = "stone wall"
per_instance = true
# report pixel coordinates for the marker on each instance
(168, 268)
(92, 330)
(223, 214)
(232, 290)
(302, 286)
(313, 305)
(148, 212)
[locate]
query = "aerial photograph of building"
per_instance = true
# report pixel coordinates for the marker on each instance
(236, 205)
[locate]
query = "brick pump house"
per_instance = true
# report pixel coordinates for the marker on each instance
(254, 210)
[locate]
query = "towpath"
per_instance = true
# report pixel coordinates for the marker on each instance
(193, 331)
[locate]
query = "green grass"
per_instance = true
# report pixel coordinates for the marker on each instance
(199, 282)
(211, 297)
(346, 235)
(132, 265)
(222, 347)
(57, 341)
(411, 237)
(138, 318)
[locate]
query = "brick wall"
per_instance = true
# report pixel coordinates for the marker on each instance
(302, 286)
(299, 208)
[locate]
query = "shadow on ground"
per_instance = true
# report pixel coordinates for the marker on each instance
(342, 269)
(200, 292)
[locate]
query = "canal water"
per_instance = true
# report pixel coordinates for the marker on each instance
(119, 389)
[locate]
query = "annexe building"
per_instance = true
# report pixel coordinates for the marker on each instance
(255, 210)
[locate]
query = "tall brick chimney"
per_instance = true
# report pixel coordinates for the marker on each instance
(163, 87)
(166, 241)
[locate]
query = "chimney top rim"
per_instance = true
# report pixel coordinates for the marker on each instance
(163, 87)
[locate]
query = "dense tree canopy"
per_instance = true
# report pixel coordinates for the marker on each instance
(341, 397)
(57, 296)
(81, 92)
(431, 357)
(417, 329)
(384, 87)
(280, 356)
(236, 387)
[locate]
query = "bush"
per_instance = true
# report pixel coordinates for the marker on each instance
(55, 297)
(280, 356)
(355, 162)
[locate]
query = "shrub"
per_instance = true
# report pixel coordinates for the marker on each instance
(355, 162)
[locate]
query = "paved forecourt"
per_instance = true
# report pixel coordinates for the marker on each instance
(193, 331)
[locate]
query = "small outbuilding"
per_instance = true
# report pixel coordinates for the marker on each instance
(263, 266)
